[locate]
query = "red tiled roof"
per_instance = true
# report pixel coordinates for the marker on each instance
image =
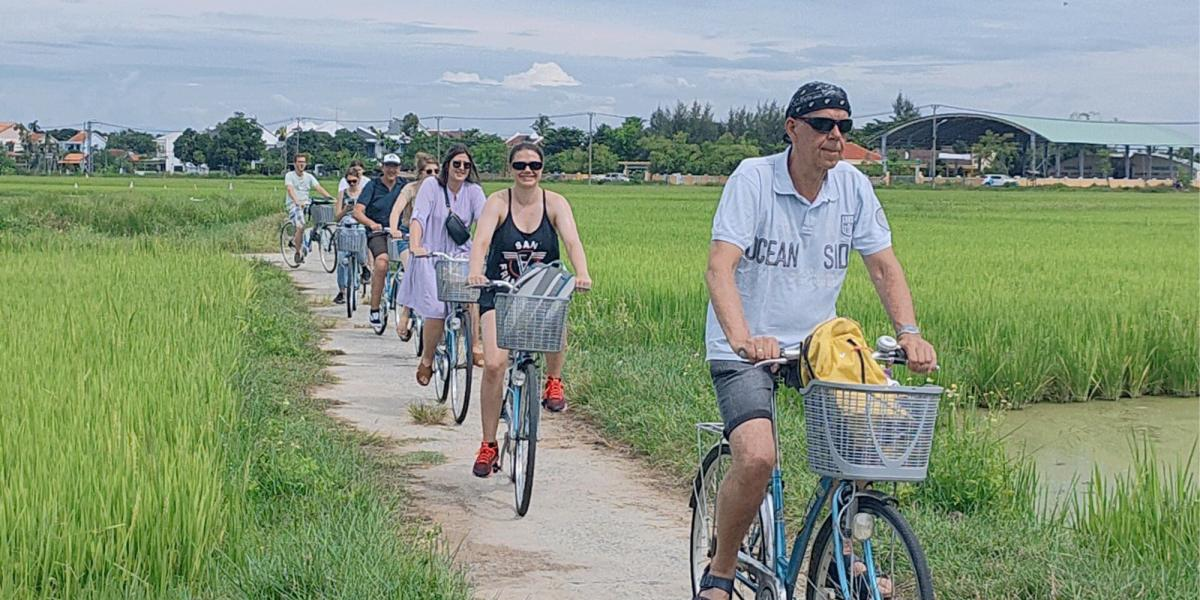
(852, 151)
(5, 126)
(73, 158)
(37, 138)
(78, 138)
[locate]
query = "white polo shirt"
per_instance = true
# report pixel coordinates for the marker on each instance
(794, 254)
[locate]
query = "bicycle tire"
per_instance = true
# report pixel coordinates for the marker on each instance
(820, 561)
(526, 442)
(442, 358)
(418, 325)
(287, 234)
(326, 248)
(705, 486)
(352, 282)
(462, 394)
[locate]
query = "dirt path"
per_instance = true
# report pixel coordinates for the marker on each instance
(598, 527)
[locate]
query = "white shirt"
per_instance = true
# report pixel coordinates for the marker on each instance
(794, 254)
(302, 185)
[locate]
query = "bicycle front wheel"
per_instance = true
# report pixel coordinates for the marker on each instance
(463, 370)
(891, 557)
(707, 484)
(326, 248)
(525, 451)
(287, 248)
(352, 282)
(443, 364)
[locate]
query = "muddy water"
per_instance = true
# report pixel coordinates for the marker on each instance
(1067, 440)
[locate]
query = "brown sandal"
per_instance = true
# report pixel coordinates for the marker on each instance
(424, 374)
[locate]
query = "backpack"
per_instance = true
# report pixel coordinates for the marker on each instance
(837, 351)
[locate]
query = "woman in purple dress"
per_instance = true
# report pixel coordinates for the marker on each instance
(456, 185)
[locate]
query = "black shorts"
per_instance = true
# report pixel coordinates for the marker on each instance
(377, 243)
(487, 301)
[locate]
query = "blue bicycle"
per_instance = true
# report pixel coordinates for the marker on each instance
(531, 319)
(351, 248)
(391, 288)
(864, 549)
(452, 361)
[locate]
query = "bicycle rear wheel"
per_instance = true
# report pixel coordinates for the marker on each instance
(703, 544)
(327, 248)
(462, 371)
(525, 449)
(900, 569)
(287, 249)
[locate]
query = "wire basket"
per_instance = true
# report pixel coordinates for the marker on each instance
(870, 432)
(452, 281)
(353, 239)
(531, 323)
(322, 213)
(395, 248)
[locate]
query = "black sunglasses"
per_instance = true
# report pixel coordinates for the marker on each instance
(461, 164)
(825, 125)
(431, 171)
(352, 181)
(533, 165)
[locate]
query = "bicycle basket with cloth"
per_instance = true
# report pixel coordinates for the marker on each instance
(354, 240)
(322, 213)
(534, 317)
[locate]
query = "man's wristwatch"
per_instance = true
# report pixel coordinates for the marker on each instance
(906, 329)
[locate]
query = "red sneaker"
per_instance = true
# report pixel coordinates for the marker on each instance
(487, 460)
(552, 396)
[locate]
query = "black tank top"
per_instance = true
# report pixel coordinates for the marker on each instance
(513, 250)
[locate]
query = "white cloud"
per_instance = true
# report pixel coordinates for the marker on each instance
(539, 75)
(466, 78)
(192, 84)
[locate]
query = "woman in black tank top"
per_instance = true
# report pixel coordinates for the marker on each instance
(520, 227)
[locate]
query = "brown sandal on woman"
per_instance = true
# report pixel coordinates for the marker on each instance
(424, 373)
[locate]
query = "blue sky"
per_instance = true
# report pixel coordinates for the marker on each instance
(185, 63)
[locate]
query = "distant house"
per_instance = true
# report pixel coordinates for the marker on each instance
(73, 161)
(857, 155)
(78, 142)
(374, 142)
(518, 138)
(165, 150)
(10, 137)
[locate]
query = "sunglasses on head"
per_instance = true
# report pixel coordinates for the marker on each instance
(533, 165)
(825, 125)
(461, 164)
(431, 170)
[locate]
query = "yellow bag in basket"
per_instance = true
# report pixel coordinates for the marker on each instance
(837, 351)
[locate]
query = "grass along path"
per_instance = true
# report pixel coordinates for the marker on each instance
(158, 440)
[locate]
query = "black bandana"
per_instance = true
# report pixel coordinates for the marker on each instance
(816, 95)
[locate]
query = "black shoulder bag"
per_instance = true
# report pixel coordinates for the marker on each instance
(454, 225)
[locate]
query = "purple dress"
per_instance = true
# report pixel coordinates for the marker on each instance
(418, 290)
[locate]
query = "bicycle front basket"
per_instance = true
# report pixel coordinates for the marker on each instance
(531, 323)
(870, 432)
(322, 213)
(353, 239)
(452, 281)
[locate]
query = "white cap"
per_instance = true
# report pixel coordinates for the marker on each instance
(391, 159)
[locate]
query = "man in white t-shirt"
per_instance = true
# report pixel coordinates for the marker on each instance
(299, 184)
(781, 243)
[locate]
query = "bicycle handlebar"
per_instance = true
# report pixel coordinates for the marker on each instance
(887, 350)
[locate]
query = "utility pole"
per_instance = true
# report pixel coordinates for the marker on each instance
(933, 158)
(87, 147)
(591, 115)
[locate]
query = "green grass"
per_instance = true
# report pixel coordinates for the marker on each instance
(158, 441)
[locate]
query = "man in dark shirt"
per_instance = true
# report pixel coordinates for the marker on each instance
(373, 209)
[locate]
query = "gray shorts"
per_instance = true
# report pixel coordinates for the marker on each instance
(744, 391)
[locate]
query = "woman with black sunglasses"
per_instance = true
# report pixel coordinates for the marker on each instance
(401, 216)
(455, 190)
(520, 227)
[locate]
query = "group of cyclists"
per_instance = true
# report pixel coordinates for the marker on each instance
(778, 255)
(515, 229)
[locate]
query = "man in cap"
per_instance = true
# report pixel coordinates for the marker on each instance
(373, 209)
(781, 244)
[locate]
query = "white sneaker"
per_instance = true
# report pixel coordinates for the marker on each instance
(374, 318)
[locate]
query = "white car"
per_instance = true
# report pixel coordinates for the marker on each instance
(996, 180)
(611, 178)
